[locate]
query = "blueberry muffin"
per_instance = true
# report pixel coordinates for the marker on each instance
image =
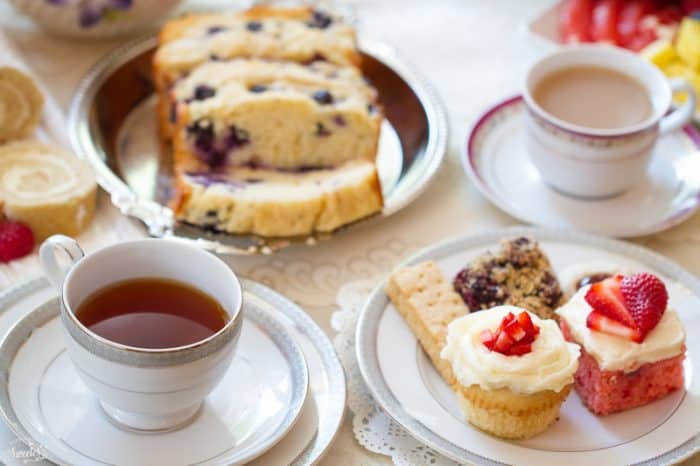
(273, 114)
(519, 274)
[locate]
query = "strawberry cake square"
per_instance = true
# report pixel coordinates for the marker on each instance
(632, 344)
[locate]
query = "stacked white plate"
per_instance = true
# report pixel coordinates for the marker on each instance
(281, 402)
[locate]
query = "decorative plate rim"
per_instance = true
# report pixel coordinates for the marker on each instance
(365, 339)
(159, 219)
(469, 156)
(332, 370)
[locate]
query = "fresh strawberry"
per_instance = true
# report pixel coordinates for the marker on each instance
(503, 343)
(606, 298)
(488, 338)
(604, 21)
(525, 321)
(629, 20)
(520, 349)
(646, 298)
(515, 330)
(16, 240)
(598, 321)
(575, 21)
(690, 6)
(513, 337)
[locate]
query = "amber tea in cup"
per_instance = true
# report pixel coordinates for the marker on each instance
(153, 313)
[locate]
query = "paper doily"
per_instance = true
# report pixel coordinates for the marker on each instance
(373, 428)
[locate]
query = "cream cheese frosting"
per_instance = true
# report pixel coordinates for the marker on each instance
(549, 366)
(613, 353)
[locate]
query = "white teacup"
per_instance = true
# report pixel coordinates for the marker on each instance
(591, 162)
(141, 388)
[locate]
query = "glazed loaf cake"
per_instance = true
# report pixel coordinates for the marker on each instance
(271, 203)
(300, 34)
(273, 115)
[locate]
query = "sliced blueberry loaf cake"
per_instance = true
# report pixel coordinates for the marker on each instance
(274, 115)
(300, 34)
(274, 203)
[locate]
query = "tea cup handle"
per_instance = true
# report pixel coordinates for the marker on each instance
(684, 113)
(47, 257)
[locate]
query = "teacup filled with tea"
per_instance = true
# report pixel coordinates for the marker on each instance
(594, 113)
(150, 325)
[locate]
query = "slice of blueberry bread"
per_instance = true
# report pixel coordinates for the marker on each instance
(518, 274)
(299, 34)
(272, 203)
(274, 115)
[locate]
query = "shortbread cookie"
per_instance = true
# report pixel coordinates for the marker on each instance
(21, 104)
(519, 274)
(274, 115)
(274, 203)
(46, 188)
(427, 302)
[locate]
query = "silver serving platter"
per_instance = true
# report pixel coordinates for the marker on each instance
(112, 125)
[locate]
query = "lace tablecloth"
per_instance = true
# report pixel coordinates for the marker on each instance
(473, 51)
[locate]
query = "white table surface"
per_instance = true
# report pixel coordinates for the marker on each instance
(474, 52)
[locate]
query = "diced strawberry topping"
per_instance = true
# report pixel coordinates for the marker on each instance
(503, 342)
(488, 338)
(628, 307)
(16, 240)
(514, 330)
(520, 349)
(513, 337)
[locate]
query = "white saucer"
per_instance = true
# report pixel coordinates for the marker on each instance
(498, 164)
(49, 408)
(405, 384)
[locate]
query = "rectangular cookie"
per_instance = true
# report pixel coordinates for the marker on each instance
(427, 302)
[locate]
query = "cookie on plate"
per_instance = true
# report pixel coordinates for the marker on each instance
(427, 302)
(518, 274)
(494, 361)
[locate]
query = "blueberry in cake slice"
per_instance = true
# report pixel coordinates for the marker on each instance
(274, 115)
(272, 203)
(519, 274)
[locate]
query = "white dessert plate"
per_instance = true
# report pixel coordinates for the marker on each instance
(498, 164)
(47, 406)
(407, 386)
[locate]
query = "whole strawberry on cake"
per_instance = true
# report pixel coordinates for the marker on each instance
(633, 345)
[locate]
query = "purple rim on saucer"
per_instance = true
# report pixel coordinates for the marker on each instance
(470, 164)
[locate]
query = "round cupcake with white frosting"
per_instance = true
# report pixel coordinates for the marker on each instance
(513, 370)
